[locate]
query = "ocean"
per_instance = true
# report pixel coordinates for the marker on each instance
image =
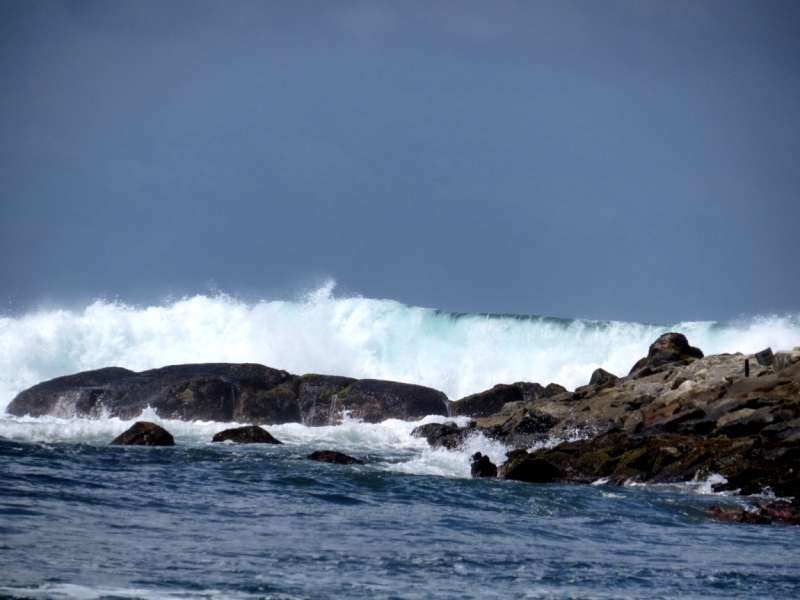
(80, 519)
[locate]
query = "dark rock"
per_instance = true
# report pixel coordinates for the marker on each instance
(551, 391)
(482, 466)
(72, 395)
(373, 401)
(489, 402)
(318, 398)
(525, 467)
(144, 433)
(765, 358)
(526, 428)
(447, 435)
(227, 392)
(209, 392)
(333, 457)
(786, 433)
(749, 425)
(675, 421)
(601, 377)
(251, 434)
(670, 347)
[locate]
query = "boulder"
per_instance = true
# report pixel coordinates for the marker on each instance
(765, 358)
(669, 348)
(526, 428)
(482, 466)
(333, 457)
(444, 435)
(250, 434)
(144, 433)
(522, 466)
(602, 377)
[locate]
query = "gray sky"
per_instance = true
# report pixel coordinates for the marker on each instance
(606, 160)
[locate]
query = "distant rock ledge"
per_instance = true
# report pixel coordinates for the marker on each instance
(245, 393)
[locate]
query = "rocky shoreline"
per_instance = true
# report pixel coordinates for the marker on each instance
(677, 416)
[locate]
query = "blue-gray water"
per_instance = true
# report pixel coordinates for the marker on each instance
(79, 519)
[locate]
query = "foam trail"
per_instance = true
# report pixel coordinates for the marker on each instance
(456, 353)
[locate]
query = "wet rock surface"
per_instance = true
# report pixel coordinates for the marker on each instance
(250, 434)
(678, 416)
(144, 433)
(761, 514)
(333, 457)
(444, 435)
(482, 466)
(227, 392)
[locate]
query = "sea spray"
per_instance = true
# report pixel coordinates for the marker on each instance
(358, 337)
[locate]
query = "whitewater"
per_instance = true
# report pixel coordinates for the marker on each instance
(83, 520)
(456, 353)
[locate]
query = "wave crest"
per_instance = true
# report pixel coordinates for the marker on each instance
(358, 337)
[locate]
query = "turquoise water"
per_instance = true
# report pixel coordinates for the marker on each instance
(459, 354)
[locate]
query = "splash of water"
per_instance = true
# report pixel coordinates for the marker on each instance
(459, 354)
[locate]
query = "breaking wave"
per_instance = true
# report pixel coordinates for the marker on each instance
(359, 337)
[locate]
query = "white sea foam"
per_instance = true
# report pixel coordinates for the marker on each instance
(389, 444)
(358, 337)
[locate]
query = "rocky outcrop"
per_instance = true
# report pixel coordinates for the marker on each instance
(250, 434)
(333, 457)
(224, 392)
(482, 466)
(749, 465)
(669, 348)
(678, 416)
(144, 433)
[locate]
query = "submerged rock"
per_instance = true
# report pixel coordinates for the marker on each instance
(250, 434)
(333, 457)
(782, 510)
(144, 433)
(522, 466)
